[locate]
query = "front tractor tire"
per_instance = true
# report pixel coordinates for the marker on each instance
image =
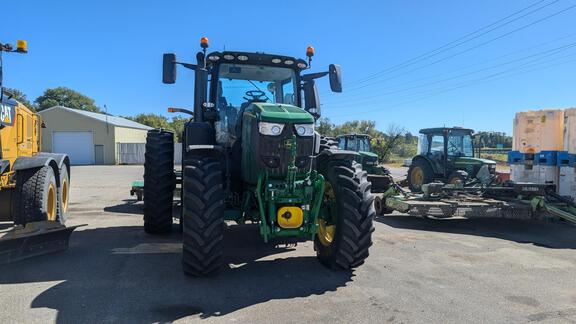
(159, 182)
(203, 216)
(419, 173)
(35, 196)
(345, 224)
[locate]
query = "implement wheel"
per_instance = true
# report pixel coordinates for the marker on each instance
(203, 216)
(345, 222)
(36, 196)
(159, 182)
(419, 173)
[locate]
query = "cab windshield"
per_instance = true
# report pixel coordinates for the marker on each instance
(357, 144)
(241, 85)
(460, 145)
(364, 144)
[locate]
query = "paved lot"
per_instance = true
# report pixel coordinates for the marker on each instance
(420, 270)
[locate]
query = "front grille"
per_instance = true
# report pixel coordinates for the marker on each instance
(274, 158)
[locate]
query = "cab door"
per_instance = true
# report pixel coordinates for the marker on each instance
(24, 131)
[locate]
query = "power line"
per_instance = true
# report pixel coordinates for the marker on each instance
(466, 67)
(470, 48)
(475, 81)
(478, 81)
(539, 55)
(460, 41)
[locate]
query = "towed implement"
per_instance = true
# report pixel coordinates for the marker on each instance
(251, 154)
(516, 200)
(33, 185)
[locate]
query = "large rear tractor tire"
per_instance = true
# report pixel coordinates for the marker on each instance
(203, 216)
(419, 173)
(159, 182)
(35, 197)
(345, 224)
(328, 143)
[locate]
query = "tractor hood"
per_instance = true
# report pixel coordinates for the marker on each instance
(368, 154)
(281, 113)
(473, 160)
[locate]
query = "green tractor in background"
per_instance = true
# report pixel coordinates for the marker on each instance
(378, 175)
(447, 155)
(251, 154)
(361, 143)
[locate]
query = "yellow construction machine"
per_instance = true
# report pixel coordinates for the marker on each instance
(34, 186)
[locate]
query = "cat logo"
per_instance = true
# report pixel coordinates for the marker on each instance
(6, 113)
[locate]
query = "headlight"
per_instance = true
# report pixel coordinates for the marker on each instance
(304, 129)
(273, 129)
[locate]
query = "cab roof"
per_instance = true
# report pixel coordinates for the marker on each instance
(257, 58)
(353, 135)
(441, 130)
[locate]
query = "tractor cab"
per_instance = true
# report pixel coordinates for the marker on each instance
(447, 155)
(359, 143)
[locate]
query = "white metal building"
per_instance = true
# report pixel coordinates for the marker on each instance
(92, 138)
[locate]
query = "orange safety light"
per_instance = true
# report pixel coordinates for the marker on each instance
(310, 51)
(170, 109)
(204, 42)
(21, 46)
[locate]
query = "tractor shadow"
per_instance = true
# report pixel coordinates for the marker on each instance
(548, 234)
(130, 206)
(120, 274)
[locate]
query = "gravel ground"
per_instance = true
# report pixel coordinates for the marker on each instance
(419, 271)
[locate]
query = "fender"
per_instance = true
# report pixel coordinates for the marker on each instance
(41, 160)
(60, 159)
(337, 154)
(328, 156)
(215, 151)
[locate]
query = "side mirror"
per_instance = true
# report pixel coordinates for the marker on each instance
(335, 74)
(169, 68)
(311, 99)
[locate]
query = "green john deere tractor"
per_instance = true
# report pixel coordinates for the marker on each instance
(447, 155)
(361, 143)
(378, 175)
(250, 153)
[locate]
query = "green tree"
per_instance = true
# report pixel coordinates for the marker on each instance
(177, 124)
(66, 97)
(152, 120)
(325, 127)
(20, 96)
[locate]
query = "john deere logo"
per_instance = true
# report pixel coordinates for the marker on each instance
(6, 113)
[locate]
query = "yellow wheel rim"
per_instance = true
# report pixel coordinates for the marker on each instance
(65, 195)
(327, 231)
(51, 206)
(417, 177)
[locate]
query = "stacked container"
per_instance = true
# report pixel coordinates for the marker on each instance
(538, 138)
(567, 159)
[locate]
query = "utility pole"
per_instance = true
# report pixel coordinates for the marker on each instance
(107, 128)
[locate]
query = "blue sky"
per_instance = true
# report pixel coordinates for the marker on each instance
(112, 52)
